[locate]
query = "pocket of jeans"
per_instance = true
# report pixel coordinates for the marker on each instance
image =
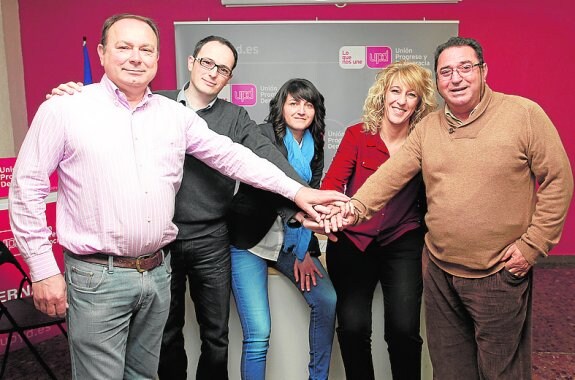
(512, 279)
(167, 262)
(83, 279)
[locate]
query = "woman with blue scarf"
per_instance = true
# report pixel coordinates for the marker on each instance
(265, 230)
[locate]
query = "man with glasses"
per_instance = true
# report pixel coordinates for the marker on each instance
(201, 252)
(498, 185)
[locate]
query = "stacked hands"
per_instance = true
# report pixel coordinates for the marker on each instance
(329, 211)
(333, 217)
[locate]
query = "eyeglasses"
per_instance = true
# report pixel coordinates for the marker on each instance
(463, 70)
(209, 64)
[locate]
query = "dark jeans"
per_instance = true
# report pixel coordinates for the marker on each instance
(355, 274)
(478, 328)
(205, 262)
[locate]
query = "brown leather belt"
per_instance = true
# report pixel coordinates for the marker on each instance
(141, 263)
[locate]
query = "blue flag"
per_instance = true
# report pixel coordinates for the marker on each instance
(87, 68)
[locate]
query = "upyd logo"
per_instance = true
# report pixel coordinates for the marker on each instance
(378, 57)
(244, 94)
(357, 57)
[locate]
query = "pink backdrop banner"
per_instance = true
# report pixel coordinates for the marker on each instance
(6, 169)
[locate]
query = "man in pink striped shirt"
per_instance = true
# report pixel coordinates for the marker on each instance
(119, 152)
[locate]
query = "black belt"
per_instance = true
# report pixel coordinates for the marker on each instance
(141, 263)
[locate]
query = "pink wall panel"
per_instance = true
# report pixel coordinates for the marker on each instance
(528, 44)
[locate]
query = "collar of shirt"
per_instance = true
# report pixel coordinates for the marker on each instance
(450, 114)
(184, 100)
(119, 96)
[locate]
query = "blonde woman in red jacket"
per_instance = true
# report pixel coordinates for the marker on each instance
(387, 248)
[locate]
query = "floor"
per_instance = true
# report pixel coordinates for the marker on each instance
(554, 323)
(553, 337)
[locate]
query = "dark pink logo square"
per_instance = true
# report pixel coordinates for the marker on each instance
(244, 94)
(378, 57)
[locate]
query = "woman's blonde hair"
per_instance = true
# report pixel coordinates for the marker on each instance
(410, 74)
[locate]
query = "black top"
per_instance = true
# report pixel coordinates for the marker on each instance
(253, 211)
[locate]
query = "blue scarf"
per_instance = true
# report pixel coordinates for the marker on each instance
(297, 240)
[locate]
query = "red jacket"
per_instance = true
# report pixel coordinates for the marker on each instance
(358, 156)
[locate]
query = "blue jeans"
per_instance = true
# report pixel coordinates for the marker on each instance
(250, 289)
(115, 319)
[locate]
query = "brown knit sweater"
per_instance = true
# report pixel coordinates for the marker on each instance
(481, 182)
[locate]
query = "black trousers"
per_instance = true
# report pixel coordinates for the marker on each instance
(355, 274)
(206, 264)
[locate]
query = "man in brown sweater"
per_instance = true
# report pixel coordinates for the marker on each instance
(498, 185)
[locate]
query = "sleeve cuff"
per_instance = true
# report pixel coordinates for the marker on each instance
(530, 254)
(360, 210)
(290, 189)
(42, 266)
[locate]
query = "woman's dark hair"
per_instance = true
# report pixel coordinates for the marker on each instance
(299, 89)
